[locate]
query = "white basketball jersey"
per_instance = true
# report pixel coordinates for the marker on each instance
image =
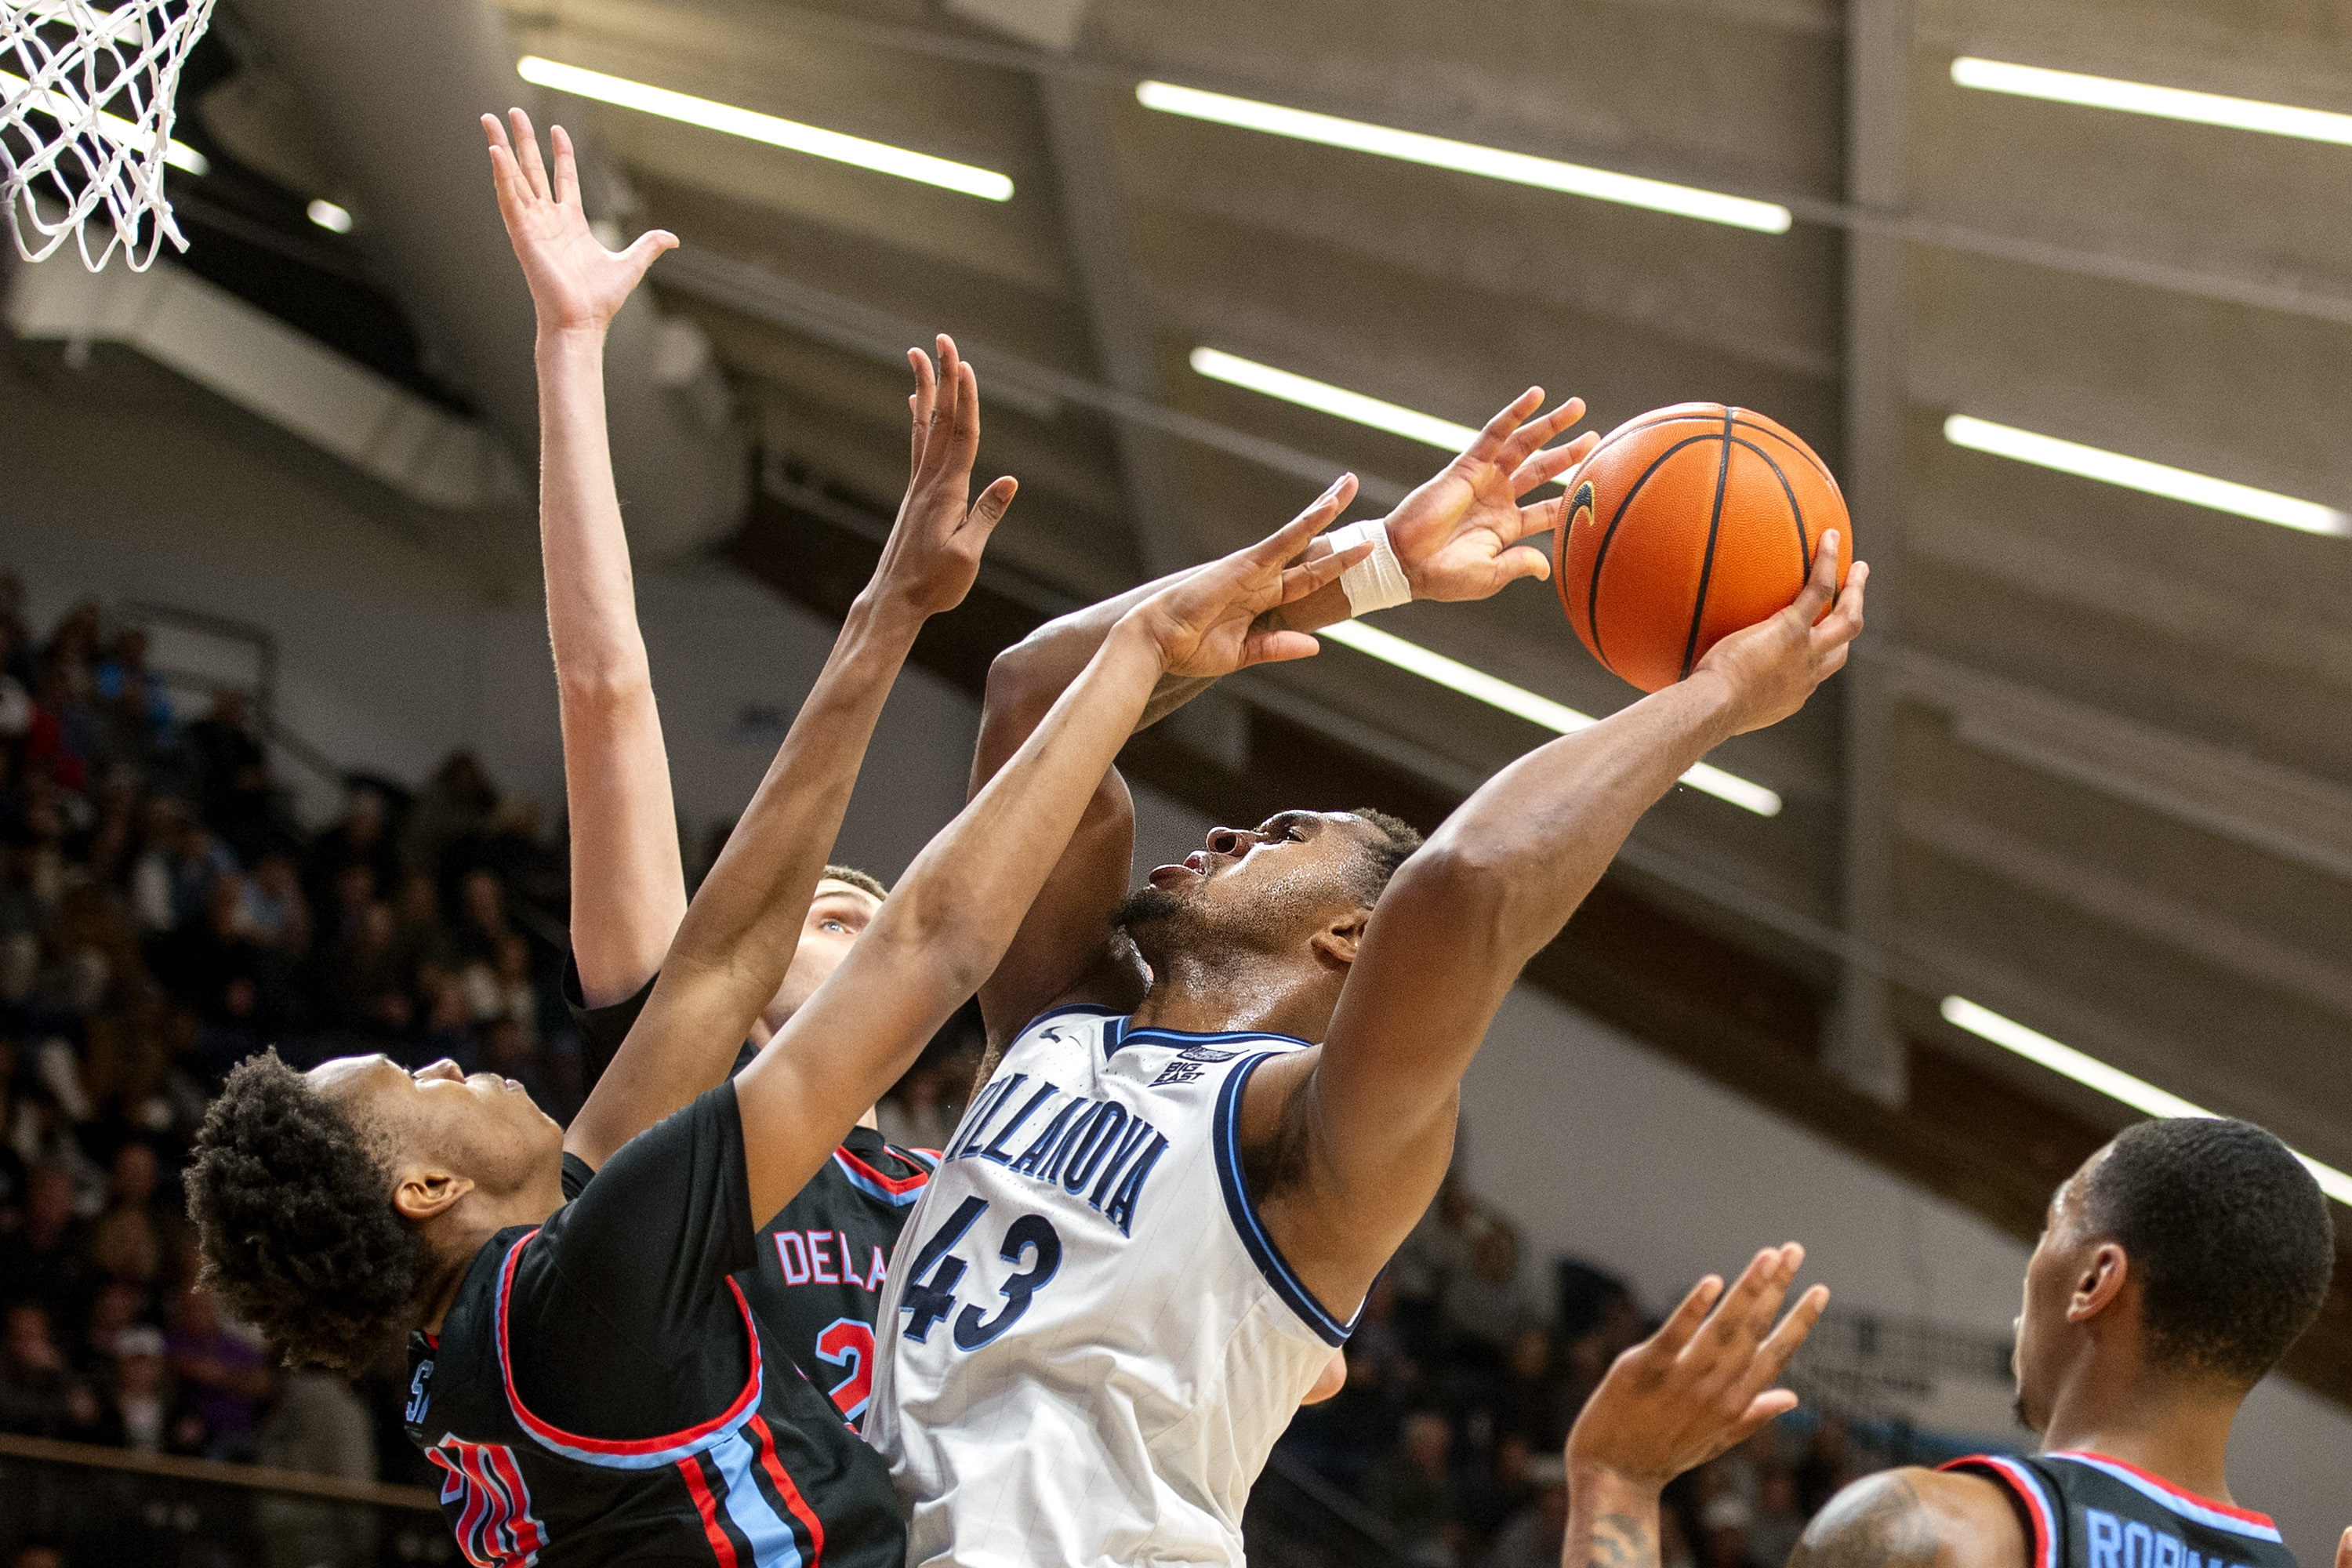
(1088, 1345)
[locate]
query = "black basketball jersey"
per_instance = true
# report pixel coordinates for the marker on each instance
(824, 1256)
(2086, 1511)
(601, 1392)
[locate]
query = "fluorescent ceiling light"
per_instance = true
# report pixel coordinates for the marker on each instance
(2138, 474)
(330, 217)
(2113, 1082)
(876, 155)
(1465, 157)
(113, 127)
(2165, 103)
(1218, 366)
(1456, 675)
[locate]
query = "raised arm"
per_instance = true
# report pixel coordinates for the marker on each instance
(1375, 1107)
(948, 922)
(628, 891)
(1456, 537)
(1700, 1384)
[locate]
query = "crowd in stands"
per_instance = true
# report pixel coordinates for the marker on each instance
(1464, 1374)
(162, 915)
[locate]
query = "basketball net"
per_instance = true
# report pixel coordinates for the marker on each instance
(86, 123)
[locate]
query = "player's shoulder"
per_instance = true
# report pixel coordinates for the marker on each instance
(1915, 1518)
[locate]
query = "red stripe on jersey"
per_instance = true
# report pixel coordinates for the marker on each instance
(896, 1186)
(522, 1529)
(789, 1492)
(2246, 1514)
(707, 1506)
(555, 1436)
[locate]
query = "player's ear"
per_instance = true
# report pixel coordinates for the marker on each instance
(2098, 1281)
(422, 1192)
(1335, 944)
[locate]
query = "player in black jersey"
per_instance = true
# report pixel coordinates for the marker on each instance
(2175, 1269)
(587, 1373)
(822, 1263)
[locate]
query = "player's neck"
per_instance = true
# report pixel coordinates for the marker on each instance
(457, 1237)
(1237, 991)
(2178, 1430)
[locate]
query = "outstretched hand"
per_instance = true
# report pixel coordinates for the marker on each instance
(1201, 622)
(575, 283)
(1703, 1383)
(1774, 665)
(932, 555)
(1456, 536)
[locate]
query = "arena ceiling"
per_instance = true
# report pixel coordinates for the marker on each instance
(2092, 770)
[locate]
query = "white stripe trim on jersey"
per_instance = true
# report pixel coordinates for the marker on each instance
(2181, 1503)
(1224, 1138)
(2048, 1519)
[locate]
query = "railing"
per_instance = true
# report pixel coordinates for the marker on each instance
(194, 653)
(110, 1506)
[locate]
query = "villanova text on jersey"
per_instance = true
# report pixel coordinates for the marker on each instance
(1090, 1343)
(1092, 1147)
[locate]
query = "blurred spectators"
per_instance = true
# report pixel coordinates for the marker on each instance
(1409, 1491)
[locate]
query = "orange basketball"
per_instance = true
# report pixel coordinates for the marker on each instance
(1687, 523)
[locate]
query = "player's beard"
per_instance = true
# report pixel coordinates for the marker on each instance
(1156, 919)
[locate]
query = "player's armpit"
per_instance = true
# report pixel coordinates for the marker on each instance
(1915, 1518)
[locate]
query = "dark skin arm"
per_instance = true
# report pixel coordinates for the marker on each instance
(628, 898)
(1456, 538)
(1700, 1384)
(948, 923)
(1357, 1131)
(1915, 1518)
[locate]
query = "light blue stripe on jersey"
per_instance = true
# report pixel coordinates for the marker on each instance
(1225, 1141)
(748, 1510)
(2181, 1503)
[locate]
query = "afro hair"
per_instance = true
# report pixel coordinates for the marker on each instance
(294, 1219)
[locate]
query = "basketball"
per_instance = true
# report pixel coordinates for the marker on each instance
(1686, 524)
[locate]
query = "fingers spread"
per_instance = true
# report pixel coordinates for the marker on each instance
(567, 168)
(990, 509)
(1537, 433)
(1684, 1321)
(1308, 576)
(1291, 538)
(1493, 441)
(527, 154)
(1550, 463)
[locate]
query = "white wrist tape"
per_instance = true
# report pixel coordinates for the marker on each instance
(1377, 582)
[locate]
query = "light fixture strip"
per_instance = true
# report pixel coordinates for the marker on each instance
(113, 127)
(1456, 675)
(1465, 157)
(2144, 98)
(2111, 1081)
(2138, 474)
(776, 132)
(1322, 396)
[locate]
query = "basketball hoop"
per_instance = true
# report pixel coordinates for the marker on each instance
(86, 123)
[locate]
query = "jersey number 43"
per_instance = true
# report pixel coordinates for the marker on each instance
(931, 1296)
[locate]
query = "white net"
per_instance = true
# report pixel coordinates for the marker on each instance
(86, 123)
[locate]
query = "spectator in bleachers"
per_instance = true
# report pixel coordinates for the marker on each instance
(1489, 1302)
(138, 1407)
(36, 1388)
(1536, 1534)
(46, 1260)
(317, 1426)
(223, 1375)
(1411, 1491)
(1438, 1248)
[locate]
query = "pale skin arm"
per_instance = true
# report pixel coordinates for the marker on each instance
(1359, 1131)
(947, 923)
(927, 566)
(628, 889)
(1456, 536)
(1699, 1385)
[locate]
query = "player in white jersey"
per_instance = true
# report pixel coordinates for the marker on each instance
(1213, 1107)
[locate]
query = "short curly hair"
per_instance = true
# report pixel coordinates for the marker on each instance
(1394, 846)
(292, 1203)
(863, 881)
(2230, 1234)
